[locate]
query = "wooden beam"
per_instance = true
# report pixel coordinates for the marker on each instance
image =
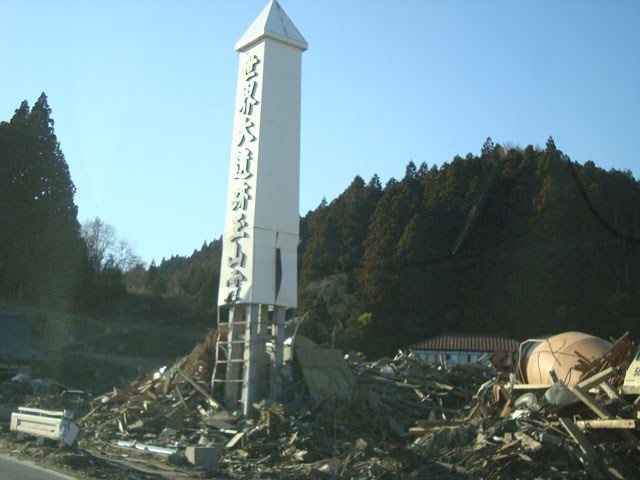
(439, 422)
(599, 410)
(212, 401)
(591, 402)
(596, 379)
(530, 387)
(590, 459)
(610, 423)
(608, 389)
(236, 438)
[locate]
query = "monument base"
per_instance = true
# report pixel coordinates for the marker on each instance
(250, 350)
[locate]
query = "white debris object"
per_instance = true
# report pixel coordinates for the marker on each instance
(632, 378)
(55, 425)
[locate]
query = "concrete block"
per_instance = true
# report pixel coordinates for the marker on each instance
(205, 457)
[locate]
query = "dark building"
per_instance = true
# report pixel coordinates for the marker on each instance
(16, 354)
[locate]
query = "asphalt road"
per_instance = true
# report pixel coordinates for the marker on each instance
(14, 469)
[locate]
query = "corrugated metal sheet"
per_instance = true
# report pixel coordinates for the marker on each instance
(465, 342)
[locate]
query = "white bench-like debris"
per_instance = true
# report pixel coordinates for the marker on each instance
(55, 425)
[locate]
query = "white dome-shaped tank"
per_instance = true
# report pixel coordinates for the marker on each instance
(538, 357)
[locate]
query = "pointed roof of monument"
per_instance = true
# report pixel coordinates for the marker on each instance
(274, 23)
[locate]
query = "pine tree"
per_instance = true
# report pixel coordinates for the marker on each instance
(42, 249)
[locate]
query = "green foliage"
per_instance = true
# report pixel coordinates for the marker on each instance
(515, 242)
(359, 333)
(193, 280)
(41, 251)
(46, 259)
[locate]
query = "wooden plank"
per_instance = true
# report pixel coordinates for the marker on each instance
(236, 438)
(444, 386)
(596, 379)
(507, 408)
(436, 422)
(181, 397)
(212, 401)
(530, 387)
(610, 423)
(608, 389)
(47, 413)
(146, 386)
(591, 402)
(417, 430)
(590, 459)
(602, 412)
(527, 441)
(98, 407)
(612, 470)
(505, 393)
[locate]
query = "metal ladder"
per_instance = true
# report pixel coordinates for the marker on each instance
(242, 356)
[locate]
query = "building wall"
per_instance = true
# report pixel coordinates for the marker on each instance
(452, 357)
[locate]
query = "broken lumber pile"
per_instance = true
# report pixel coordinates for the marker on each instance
(389, 418)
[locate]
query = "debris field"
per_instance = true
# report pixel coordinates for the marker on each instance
(389, 418)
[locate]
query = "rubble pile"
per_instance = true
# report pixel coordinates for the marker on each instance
(396, 418)
(21, 388)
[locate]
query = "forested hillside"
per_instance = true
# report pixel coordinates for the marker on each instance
(518, 242)
(193, 280)
(68, 279)
(47, 260)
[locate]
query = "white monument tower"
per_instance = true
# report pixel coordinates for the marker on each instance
(258, 275)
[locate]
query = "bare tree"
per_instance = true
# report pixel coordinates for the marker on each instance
(509, 145)
(105, 249)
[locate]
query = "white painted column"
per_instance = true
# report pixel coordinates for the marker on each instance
(279, 316)
(250, 357)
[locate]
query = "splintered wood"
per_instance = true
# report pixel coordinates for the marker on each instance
(389, 418)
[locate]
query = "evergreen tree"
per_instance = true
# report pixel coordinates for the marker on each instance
(41, 247)
(542, 245)
(516, 242)
(488, 148)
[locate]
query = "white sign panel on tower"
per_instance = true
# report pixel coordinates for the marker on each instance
(259, 257)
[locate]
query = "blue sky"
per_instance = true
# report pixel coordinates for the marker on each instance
(142, 94)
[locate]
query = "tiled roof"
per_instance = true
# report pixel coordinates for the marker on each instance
(467, 342)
